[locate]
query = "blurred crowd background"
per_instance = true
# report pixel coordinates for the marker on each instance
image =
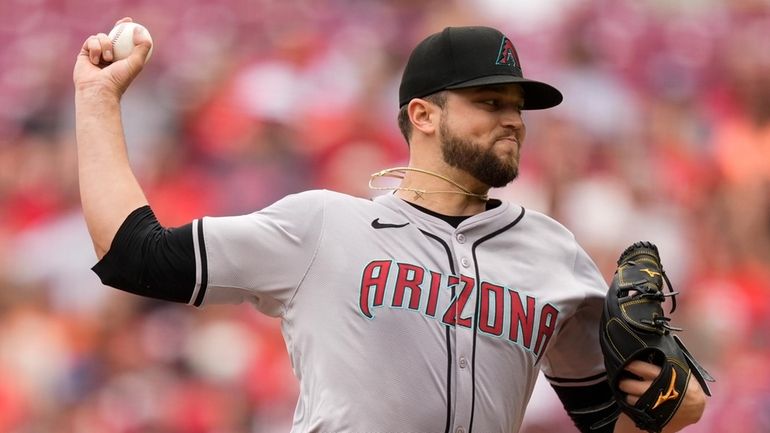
(664, 135)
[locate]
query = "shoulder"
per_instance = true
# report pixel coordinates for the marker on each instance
(322, 205)
(326, 196)
(309, 196)
(547, 228)
(549, 239)
(313, 200)
(561, 243)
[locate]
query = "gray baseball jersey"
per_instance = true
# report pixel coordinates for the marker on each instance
(395, 321)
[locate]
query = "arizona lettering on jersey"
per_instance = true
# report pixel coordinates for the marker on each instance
(503, 312)
(382, 301)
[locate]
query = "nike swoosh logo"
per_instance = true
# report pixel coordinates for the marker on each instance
(378, 225)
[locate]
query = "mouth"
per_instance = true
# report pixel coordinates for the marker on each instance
(509, 140)
(508, 147)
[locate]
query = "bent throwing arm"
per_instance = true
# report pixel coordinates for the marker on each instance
(108, 188)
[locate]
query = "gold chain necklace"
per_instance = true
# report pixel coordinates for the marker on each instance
(398, 173)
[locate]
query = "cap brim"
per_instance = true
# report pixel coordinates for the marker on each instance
(537, 95)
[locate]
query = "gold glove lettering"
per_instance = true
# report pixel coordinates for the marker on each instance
(670, 394)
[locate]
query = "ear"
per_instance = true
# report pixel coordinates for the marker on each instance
(424, 115)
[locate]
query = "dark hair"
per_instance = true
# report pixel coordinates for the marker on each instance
(405, 125)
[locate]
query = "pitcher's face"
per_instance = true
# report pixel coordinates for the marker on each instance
(481, 132)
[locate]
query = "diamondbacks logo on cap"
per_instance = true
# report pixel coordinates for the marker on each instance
(507, 55)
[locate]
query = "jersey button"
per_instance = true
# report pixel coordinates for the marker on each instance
(463, 362)
(460, 430)
(461, 238)
(465, 262)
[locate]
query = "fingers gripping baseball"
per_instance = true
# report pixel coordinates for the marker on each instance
(98, 68)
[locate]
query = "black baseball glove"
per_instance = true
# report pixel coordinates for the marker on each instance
(633, 326)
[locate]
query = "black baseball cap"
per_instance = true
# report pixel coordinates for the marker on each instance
(460, 57)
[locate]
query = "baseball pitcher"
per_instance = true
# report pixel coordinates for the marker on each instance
(429, 309)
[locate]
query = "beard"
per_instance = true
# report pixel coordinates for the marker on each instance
(483, 164)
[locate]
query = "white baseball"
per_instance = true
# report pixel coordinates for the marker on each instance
(122, 37)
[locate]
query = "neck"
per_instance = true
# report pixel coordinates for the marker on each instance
(451, 205)
(446, 193)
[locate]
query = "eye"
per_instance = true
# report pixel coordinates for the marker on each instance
(491, 103)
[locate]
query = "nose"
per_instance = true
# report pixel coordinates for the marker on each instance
(512, 118)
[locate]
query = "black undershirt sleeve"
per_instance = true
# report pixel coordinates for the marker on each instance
(592, 408)
(150, 260)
